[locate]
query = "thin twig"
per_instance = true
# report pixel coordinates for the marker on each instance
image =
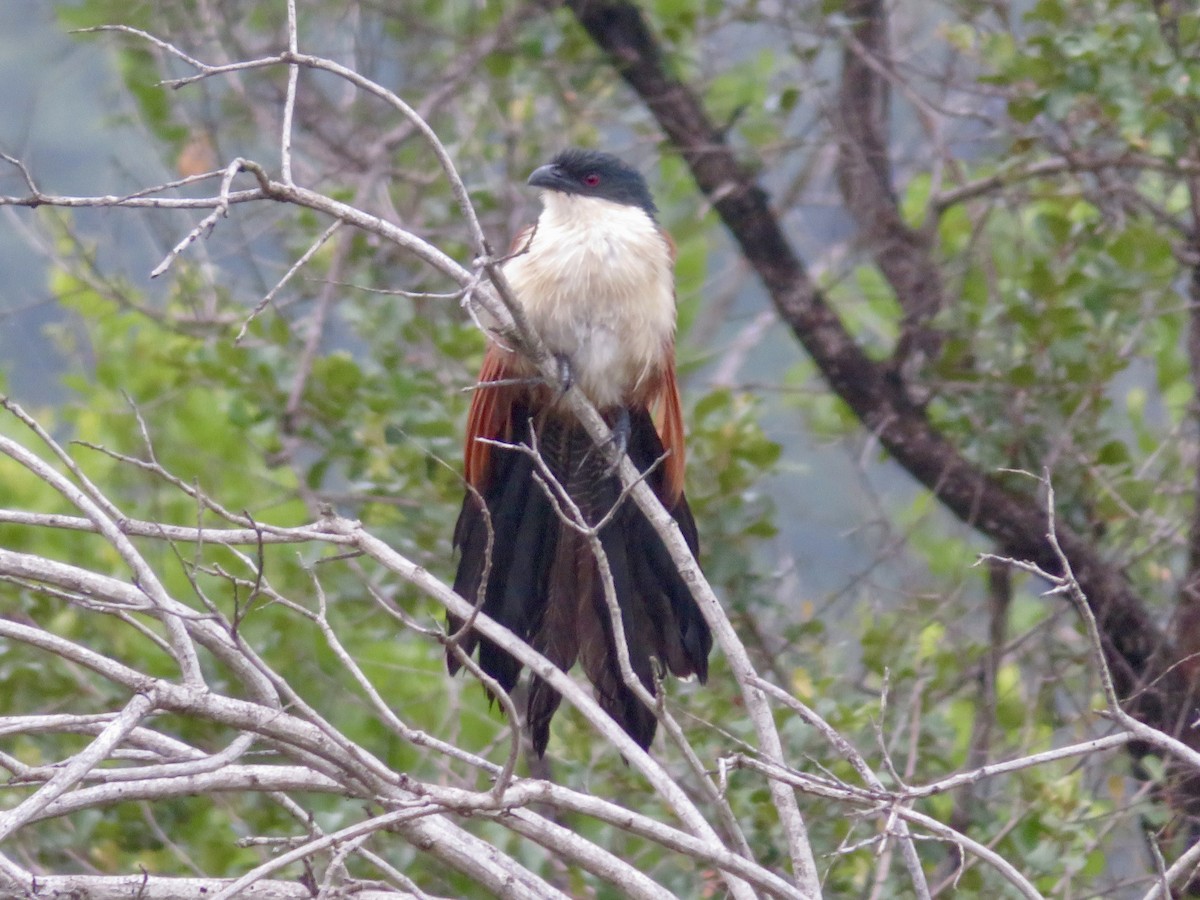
(289, 102)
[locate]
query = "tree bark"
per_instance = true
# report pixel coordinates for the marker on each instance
(1137, 648)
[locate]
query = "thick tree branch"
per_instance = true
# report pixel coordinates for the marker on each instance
(70, 774)
(155, 887)
(1187, 614)
(862, 124)
(1134, 643)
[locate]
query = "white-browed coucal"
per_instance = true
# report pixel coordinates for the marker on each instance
(594, 278)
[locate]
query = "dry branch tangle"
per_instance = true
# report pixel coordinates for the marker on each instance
(326, 761)
(323, 759)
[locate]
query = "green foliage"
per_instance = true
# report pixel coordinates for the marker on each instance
(1064, 345)
(1061, 302)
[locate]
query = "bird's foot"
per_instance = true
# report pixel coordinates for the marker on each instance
(613, 449)
(566, 377)
(619, 442)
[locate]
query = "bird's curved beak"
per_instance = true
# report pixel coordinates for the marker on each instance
(548, 176)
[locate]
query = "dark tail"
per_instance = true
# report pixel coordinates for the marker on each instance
(544, 584)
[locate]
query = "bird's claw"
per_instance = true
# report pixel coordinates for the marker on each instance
(619, 442)
(565, 376)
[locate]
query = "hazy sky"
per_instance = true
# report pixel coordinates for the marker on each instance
(59, 114)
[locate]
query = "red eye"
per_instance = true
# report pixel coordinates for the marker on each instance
(591, 180)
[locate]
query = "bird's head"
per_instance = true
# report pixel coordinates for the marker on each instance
(591, 173)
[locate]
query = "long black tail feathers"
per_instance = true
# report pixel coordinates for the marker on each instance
(544, 584)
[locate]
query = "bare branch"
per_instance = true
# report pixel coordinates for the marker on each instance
(153, 887)
(209, 222)
(287, 276)
(104, 516)
(822, 787)
(289, 103)
(113, 734)
(269, 534)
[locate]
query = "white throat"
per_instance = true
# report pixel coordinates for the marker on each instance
(596, 284)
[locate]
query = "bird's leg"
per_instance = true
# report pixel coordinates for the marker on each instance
(618, 443)
(621, 429)
(561, 382)
(565, 377)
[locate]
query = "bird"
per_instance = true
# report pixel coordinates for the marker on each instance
(594, 277)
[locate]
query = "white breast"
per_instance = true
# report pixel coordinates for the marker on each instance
(596, 285)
